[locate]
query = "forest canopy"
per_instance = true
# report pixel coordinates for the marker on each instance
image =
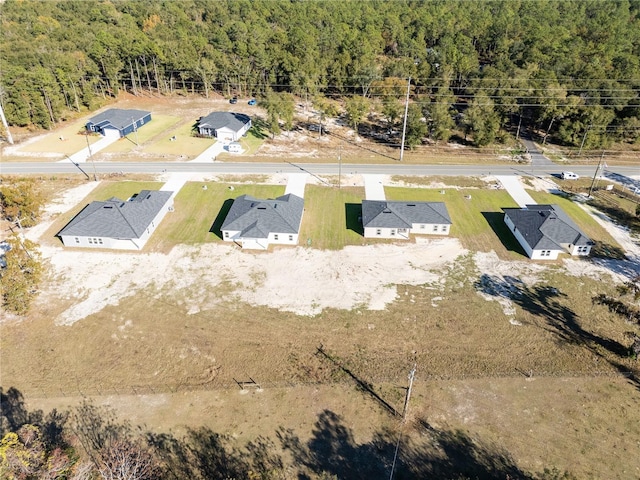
(565, 66)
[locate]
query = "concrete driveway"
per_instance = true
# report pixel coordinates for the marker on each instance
(111, 136)
(296, 184)
(512, 184)
(210, 154)
(373, 187)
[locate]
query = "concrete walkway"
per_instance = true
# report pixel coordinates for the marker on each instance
(296, 184)
(176, 182)
(512, 184)
(210, 154)
(373, 187)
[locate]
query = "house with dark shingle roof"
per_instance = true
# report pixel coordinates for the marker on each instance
(225, 126)
(387, 219)
(118, 224)
(117, 120)
(545, 231)
(255, 223)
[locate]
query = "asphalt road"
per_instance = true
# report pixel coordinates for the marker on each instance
(46, 168)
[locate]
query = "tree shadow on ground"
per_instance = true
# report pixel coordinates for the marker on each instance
(14, 414)
(333, 450)
(222, 214)
(546, 303)
(353, 215)
(496, 222)
(205, 454)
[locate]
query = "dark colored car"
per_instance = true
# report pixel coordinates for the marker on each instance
(234, 100)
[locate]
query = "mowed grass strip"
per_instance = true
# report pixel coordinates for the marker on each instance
(331, 217)
(476, 216)
(198, 212)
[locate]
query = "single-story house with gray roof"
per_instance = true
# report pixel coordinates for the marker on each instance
(255, 223)
(118, 120)
(118, 224)
(225, 126)
(545, 231)
(387, 219)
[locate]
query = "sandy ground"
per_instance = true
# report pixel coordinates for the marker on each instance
(300, 280)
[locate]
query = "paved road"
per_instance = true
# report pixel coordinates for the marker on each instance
(537, 158)
(47, 168)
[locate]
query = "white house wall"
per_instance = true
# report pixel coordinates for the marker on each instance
(371, 232)
(260, 243)
(531, 253)
(417, 228)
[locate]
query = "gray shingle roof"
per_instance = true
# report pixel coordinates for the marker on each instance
(216, 120)
(387, 214)
(256, 218)
(546, 227)
(118, 118)
(115, 218)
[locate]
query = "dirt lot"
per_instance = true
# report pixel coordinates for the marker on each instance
(511, 354)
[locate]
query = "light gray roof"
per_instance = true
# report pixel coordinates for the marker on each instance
(115, 218)
(256, 218)
(118, 118)
(387, 214)
(546, 227)
(217, 120)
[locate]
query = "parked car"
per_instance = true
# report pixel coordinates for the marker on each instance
(252, 101)
(234, 100)
(569, 176)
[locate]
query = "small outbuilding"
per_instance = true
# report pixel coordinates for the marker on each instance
(394, 219)
(225, 126)
(118, 224)
(255, 223)
(545, 231)
(117, 120)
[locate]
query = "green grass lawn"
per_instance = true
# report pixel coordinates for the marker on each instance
(157, 125)
(199, 213)
(72, 141)
(478, 222)
(184, 144)
(331, 217)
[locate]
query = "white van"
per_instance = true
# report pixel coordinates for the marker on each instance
(569, 176)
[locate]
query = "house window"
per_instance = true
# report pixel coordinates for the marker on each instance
(100, 241)
(226, 234)
(435, 228)
(77, 240)
(291, 238)
(91, 241)
(378, 232)
(444, 228)
(422, 226)
(393, 232)
(545, 253)
(275, 236)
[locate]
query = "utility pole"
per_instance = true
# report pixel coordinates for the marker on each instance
(404, 126)
(95, 177)
(135, 129)
(595, 175)
(412, 375)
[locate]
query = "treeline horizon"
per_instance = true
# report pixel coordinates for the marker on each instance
(563, 67)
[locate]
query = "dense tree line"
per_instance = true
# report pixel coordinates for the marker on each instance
(569, 67)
